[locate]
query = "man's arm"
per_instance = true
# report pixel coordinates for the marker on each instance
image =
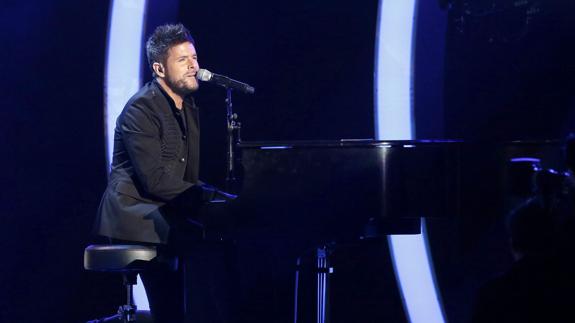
(141, 138)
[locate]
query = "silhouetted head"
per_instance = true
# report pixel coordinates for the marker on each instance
(531, 229)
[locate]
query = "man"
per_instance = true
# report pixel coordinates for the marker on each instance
(538, 286)
(153, 190)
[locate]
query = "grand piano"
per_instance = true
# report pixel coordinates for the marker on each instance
(298, 200)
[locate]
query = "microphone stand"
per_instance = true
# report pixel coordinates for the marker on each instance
(233, 139)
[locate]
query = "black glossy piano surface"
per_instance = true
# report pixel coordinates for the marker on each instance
(334, 190)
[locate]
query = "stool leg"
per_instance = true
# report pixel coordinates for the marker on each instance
(128, 311)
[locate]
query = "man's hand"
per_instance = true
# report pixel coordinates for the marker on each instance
(211, 194)
(222, 196)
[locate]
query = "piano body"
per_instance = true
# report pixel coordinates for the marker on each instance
(296, 197)
(333, 191)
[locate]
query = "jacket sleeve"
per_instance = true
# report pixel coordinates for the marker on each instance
(141, 135)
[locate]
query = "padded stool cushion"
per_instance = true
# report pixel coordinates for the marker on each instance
(118, 258)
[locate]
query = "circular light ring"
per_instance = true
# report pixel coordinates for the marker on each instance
(394, 120)
(122, 79)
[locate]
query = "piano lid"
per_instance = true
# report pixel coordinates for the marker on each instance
(343, 143)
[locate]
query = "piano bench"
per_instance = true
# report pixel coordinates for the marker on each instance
(128, 260)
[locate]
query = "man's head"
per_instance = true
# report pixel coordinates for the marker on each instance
(172, 58)
(531, 228)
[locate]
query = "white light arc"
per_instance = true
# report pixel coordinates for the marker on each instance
(394, 120)
(123, 79)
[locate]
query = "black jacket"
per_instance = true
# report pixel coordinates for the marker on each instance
(155, 162)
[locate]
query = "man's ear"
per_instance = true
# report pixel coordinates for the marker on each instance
(159, 69)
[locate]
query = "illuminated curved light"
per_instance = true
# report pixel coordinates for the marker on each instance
(413, 270)
(123, 78)
(394, 121)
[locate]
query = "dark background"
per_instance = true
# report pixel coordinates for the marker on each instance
(53, 168)
(493, 78)
(509, 70)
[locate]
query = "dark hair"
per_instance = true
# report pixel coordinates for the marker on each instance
(163, 38)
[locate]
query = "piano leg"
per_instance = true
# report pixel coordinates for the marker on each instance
(322, 271)
(322, 285)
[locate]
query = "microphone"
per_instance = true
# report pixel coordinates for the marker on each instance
(228, 83)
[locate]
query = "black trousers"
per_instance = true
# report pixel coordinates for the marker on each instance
(200, 289)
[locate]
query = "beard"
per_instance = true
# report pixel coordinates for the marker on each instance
(183, 86)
